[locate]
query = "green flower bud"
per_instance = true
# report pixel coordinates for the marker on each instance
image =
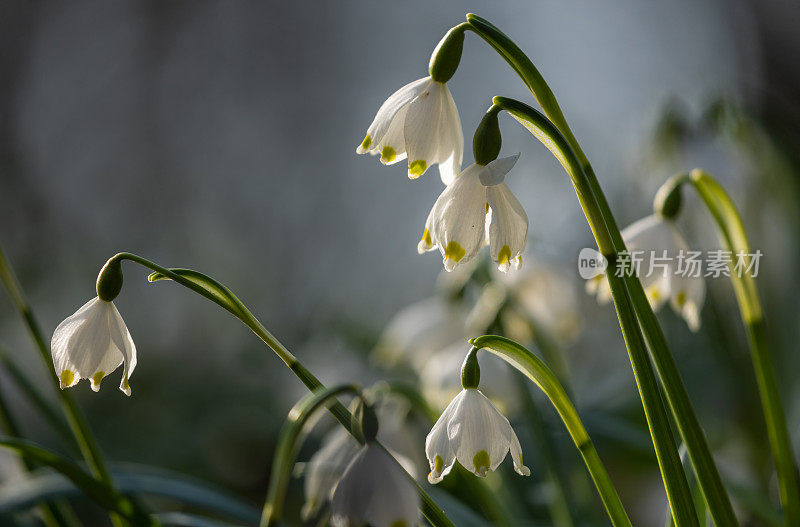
(447, 55)
(365, 422)
(668, 200)
(470, 370)
(109, 281)
(487, 140)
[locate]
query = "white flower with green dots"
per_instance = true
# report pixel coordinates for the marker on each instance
(474, 432)
(476, 209)
(92, 343)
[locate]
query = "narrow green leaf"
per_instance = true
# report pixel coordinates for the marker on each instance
(203, 284)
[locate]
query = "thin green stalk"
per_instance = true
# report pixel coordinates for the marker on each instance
(289, 444)
(608, 236)
(666, 451)
(222, 296)
(80, 429)
(536, 370)
(734, 239)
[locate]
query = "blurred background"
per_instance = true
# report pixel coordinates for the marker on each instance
(221, 136)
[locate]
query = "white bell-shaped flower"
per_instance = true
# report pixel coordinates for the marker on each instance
(474, 432)
(420, 122)
(92, 343)
(375, 490)
(658, 246)
(478, 207)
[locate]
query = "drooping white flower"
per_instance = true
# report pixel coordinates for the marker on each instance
(420, 122)
(663, 271)
(476, 209)
(92, 343)
(375, 490)
(474, 432)
(324, 470)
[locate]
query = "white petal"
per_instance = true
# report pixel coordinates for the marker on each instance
(451, 145)
(440, 454)
(479, 433)
(686, 298)
(495, 172)
(423, 128)
(325, 468)
(121, 338)
(508, 230)
(516, 456)
(426, 242)
(392, 148)
(374, 490)
(387, 111)
(459, 219)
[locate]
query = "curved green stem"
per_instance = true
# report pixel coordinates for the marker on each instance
(676, 487)
(532, 367)
(288, 445)
(734, 238)
(222, 296)
(607, 233)
(77, 423)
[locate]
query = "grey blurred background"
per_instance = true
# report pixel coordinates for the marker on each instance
(221, 136)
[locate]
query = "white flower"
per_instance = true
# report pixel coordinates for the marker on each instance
(663, 270)
(419, 330)
(474, 432)
(478, 207)
(92, 343)
(326, 467)
(419, 121)
(375, 490)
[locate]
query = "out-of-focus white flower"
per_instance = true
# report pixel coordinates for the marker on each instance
(660, 244)
(92, 343)
(474, 432)
(325, 468)
(374, 490)
(548, 297)
(419, 330)
(476, 209)
(419, 121)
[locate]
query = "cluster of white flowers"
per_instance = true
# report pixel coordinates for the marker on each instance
(420, 122)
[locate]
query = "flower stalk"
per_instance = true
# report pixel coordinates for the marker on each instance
(289, 444)
(223, 297)
(537, 371)
(733, 237)
(609, 240)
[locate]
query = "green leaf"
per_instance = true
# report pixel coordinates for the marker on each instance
(94, 489)
(204, 285)
(130, 480)
(179, 519)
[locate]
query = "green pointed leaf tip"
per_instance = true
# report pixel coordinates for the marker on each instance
(204, 285)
